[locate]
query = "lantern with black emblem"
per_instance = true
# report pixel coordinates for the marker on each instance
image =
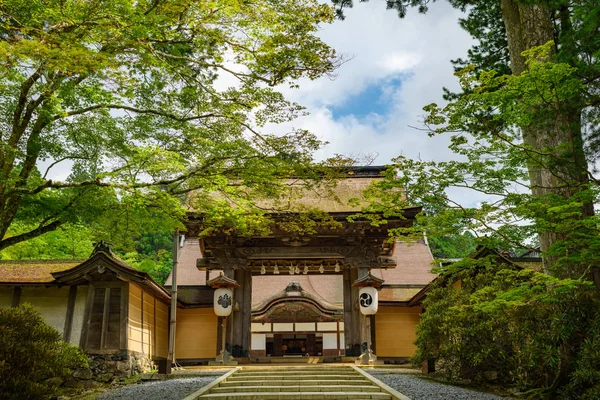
(368, 300)
(223, 302)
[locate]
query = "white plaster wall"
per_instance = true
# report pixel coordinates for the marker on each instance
(78, 314)
(327, 326)
(50, 302)
(6, 294)
(259, 341)
(283, 327)
(330, 341)
(258, 327)
(305, 326)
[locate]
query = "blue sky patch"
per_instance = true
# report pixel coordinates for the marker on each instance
(376, 98)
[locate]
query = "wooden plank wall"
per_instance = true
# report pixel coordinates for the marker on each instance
(395, 331)
(148, 324)
(196, 333)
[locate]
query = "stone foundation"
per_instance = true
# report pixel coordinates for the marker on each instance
(109, 368)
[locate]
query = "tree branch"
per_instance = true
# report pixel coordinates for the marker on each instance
(135, 110)
(40, 230)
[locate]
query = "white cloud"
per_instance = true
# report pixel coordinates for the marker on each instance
(400, 61)
(416, 50)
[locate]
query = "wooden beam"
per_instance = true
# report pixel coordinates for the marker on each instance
(87, 317)
(106, 311)
(124, 326)
(16, 296)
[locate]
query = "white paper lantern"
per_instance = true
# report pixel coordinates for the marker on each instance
(368, 300)
(223, 301)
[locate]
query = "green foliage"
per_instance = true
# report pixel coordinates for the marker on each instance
(150, 101)
(524, 139)
(31, 352)
(453, 245)
(533, 330)
(68, 241)
(158, 266)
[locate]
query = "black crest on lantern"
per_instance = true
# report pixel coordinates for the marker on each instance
(366, 300)
(224, 301)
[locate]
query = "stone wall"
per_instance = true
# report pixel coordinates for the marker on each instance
(109, 368)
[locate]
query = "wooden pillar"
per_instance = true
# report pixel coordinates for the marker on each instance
(229, 273)
(220, 327)
(373, 336)
(353, 319)
(16, 297)
(242, 317)
(69, 315)
(347, 287)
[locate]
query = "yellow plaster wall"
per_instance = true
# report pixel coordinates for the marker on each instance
(196, 333)
(162, 329)
(147, 323)
(50, 302)
(6, 294)
(395, 331)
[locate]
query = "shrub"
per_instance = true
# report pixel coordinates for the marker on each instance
(31, 352)
(528, 329)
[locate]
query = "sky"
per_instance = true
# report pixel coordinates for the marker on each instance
(396, 67)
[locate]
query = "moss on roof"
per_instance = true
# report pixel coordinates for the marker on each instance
(33, 271)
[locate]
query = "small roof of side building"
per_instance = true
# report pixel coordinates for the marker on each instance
(75, 272)
(33, 271)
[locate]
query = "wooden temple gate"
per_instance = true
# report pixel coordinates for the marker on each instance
(350, 249)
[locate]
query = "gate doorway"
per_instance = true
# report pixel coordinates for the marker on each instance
(294, 345)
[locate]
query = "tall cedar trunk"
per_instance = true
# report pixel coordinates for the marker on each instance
(564, 168)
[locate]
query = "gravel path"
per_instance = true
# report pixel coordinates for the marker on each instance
(171, 389)
(416, 388)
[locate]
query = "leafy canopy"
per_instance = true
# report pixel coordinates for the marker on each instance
(145, 101)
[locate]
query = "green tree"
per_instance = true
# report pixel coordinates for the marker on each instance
(453, 245)
(147, 101)
(533, 120)
(521, 138)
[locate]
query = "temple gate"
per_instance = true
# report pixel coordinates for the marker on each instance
(283, 324)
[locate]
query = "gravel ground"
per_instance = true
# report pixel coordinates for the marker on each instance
(171, 389)
(417, 388)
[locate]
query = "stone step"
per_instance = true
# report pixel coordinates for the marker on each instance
(297, 377)
(297, 372)
(297, 388)
(289, 382)
(298, 396)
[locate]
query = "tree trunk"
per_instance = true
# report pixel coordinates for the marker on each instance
(561, 169)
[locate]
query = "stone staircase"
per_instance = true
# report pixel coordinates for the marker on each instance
(296, 383)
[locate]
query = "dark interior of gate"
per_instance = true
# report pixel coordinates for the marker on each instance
(298, 294)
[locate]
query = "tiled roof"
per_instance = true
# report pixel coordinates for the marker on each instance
(398, 294)
(33, 271)
(414, 264)
(329, 199)
(187, 273)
